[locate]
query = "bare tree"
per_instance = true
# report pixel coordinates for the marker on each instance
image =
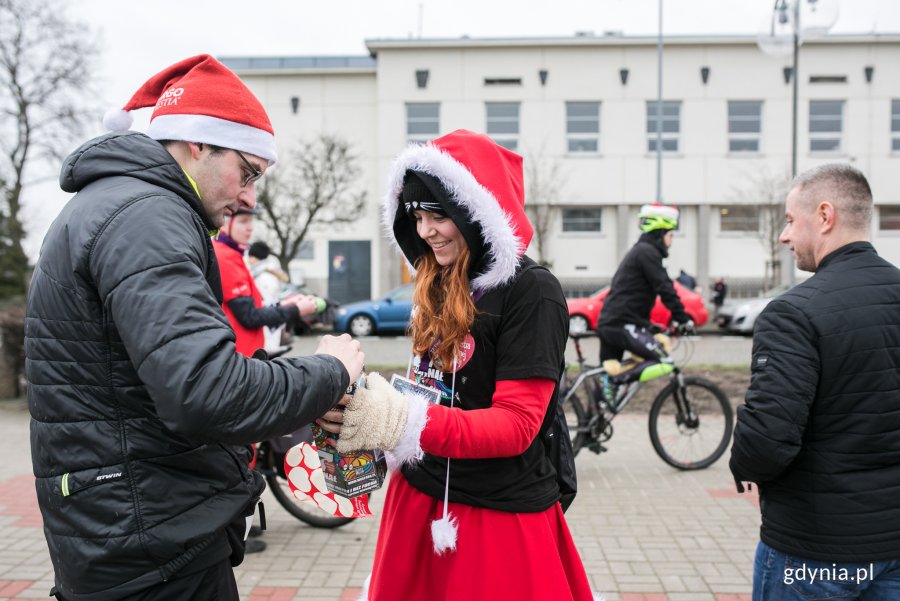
(544, 185)
(765, 191)
(313, 186)
(46, 62)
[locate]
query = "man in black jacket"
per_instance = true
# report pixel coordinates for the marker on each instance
(136, 393)
(624, 322)
(820, 430)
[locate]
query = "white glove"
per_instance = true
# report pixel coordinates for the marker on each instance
(374, 418)
(684, 329)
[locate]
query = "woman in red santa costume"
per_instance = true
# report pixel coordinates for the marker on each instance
(472, 509)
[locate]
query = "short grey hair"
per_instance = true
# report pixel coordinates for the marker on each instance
(844, 186)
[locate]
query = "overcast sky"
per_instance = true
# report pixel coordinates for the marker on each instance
(138, 40)
(141, 39)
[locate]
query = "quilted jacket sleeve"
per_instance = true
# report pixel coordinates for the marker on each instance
(785, 371)
(149, 265)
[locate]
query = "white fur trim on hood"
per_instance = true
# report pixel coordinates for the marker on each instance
(502, 247)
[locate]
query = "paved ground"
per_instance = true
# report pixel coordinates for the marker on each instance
(646, 532)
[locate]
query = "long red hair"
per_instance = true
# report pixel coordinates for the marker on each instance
(444, 310)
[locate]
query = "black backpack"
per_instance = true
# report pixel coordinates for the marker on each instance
(561, 455)
(558, 445)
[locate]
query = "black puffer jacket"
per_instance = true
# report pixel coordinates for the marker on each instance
(638, 280)
(135, 389)
(820, 431)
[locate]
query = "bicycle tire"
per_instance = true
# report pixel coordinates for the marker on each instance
(712, 409)
(305, 511)
(577, 416)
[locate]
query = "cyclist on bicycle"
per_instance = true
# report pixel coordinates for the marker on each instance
(624, 322)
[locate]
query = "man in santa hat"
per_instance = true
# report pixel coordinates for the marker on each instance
(137, 395)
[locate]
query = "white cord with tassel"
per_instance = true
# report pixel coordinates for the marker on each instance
(444, 530)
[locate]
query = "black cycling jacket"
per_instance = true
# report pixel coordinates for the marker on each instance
(636, 284)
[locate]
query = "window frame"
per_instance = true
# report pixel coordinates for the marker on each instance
(724, 209)
(882, 209)
(423, 137)
(895, 125)
(507, 139)
(838, 134)
(743, 136)
(582, 137)
(666, 137)
(597, 218)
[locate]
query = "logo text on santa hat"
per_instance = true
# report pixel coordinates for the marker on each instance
(170, 97)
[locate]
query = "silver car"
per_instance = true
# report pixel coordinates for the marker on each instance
(739, 315)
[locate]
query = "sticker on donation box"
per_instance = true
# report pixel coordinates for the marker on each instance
(408, 387)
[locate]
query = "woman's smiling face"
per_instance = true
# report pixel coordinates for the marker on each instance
(441, 235)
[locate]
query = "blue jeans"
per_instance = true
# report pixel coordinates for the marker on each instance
(781, 577)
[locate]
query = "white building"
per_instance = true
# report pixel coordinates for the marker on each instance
(585, 106)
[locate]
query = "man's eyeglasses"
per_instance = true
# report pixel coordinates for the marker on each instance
(254, 174)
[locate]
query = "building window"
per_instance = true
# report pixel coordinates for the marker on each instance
(671, 125)
(423, 121)
(744, 125)
(307, 250)
(825, 125)
(503, 123)
(583, 126)
(739, 218)
(582, 219)
(895, 125)
(889, 218)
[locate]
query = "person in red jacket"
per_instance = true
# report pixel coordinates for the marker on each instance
(473, 513)
(243, 302)
(244, 307)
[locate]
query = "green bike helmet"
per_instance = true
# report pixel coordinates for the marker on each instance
(658, 217)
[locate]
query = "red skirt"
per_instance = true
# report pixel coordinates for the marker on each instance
(499, 555)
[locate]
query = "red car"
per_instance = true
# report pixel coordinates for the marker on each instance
(584, 312)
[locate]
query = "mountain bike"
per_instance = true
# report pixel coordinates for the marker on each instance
(690, 420)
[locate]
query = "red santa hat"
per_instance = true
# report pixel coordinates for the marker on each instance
(200, 100)
(480, 185)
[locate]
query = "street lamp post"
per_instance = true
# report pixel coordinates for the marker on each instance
(659, 87)
(786, 13)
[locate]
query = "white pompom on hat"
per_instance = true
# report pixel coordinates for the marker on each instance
(201, 100)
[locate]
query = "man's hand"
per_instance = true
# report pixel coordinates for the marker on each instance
(346, 350)
(306, 304)
(332, 419)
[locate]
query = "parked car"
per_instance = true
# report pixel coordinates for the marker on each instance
(307, 323)
(363, 318)
(739, 315)
(584, 312)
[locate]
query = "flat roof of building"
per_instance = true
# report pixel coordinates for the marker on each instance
(611, 39)
(348, 64)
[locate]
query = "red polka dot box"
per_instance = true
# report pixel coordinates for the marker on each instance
(307, 479)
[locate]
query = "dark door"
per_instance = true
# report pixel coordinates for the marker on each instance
(349, 270)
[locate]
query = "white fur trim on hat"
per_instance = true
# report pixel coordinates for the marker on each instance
(212, 130)
(502, 247)
(116, 119)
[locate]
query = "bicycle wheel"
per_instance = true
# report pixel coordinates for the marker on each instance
(305, 511)
(577, 415)
(696, 439)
